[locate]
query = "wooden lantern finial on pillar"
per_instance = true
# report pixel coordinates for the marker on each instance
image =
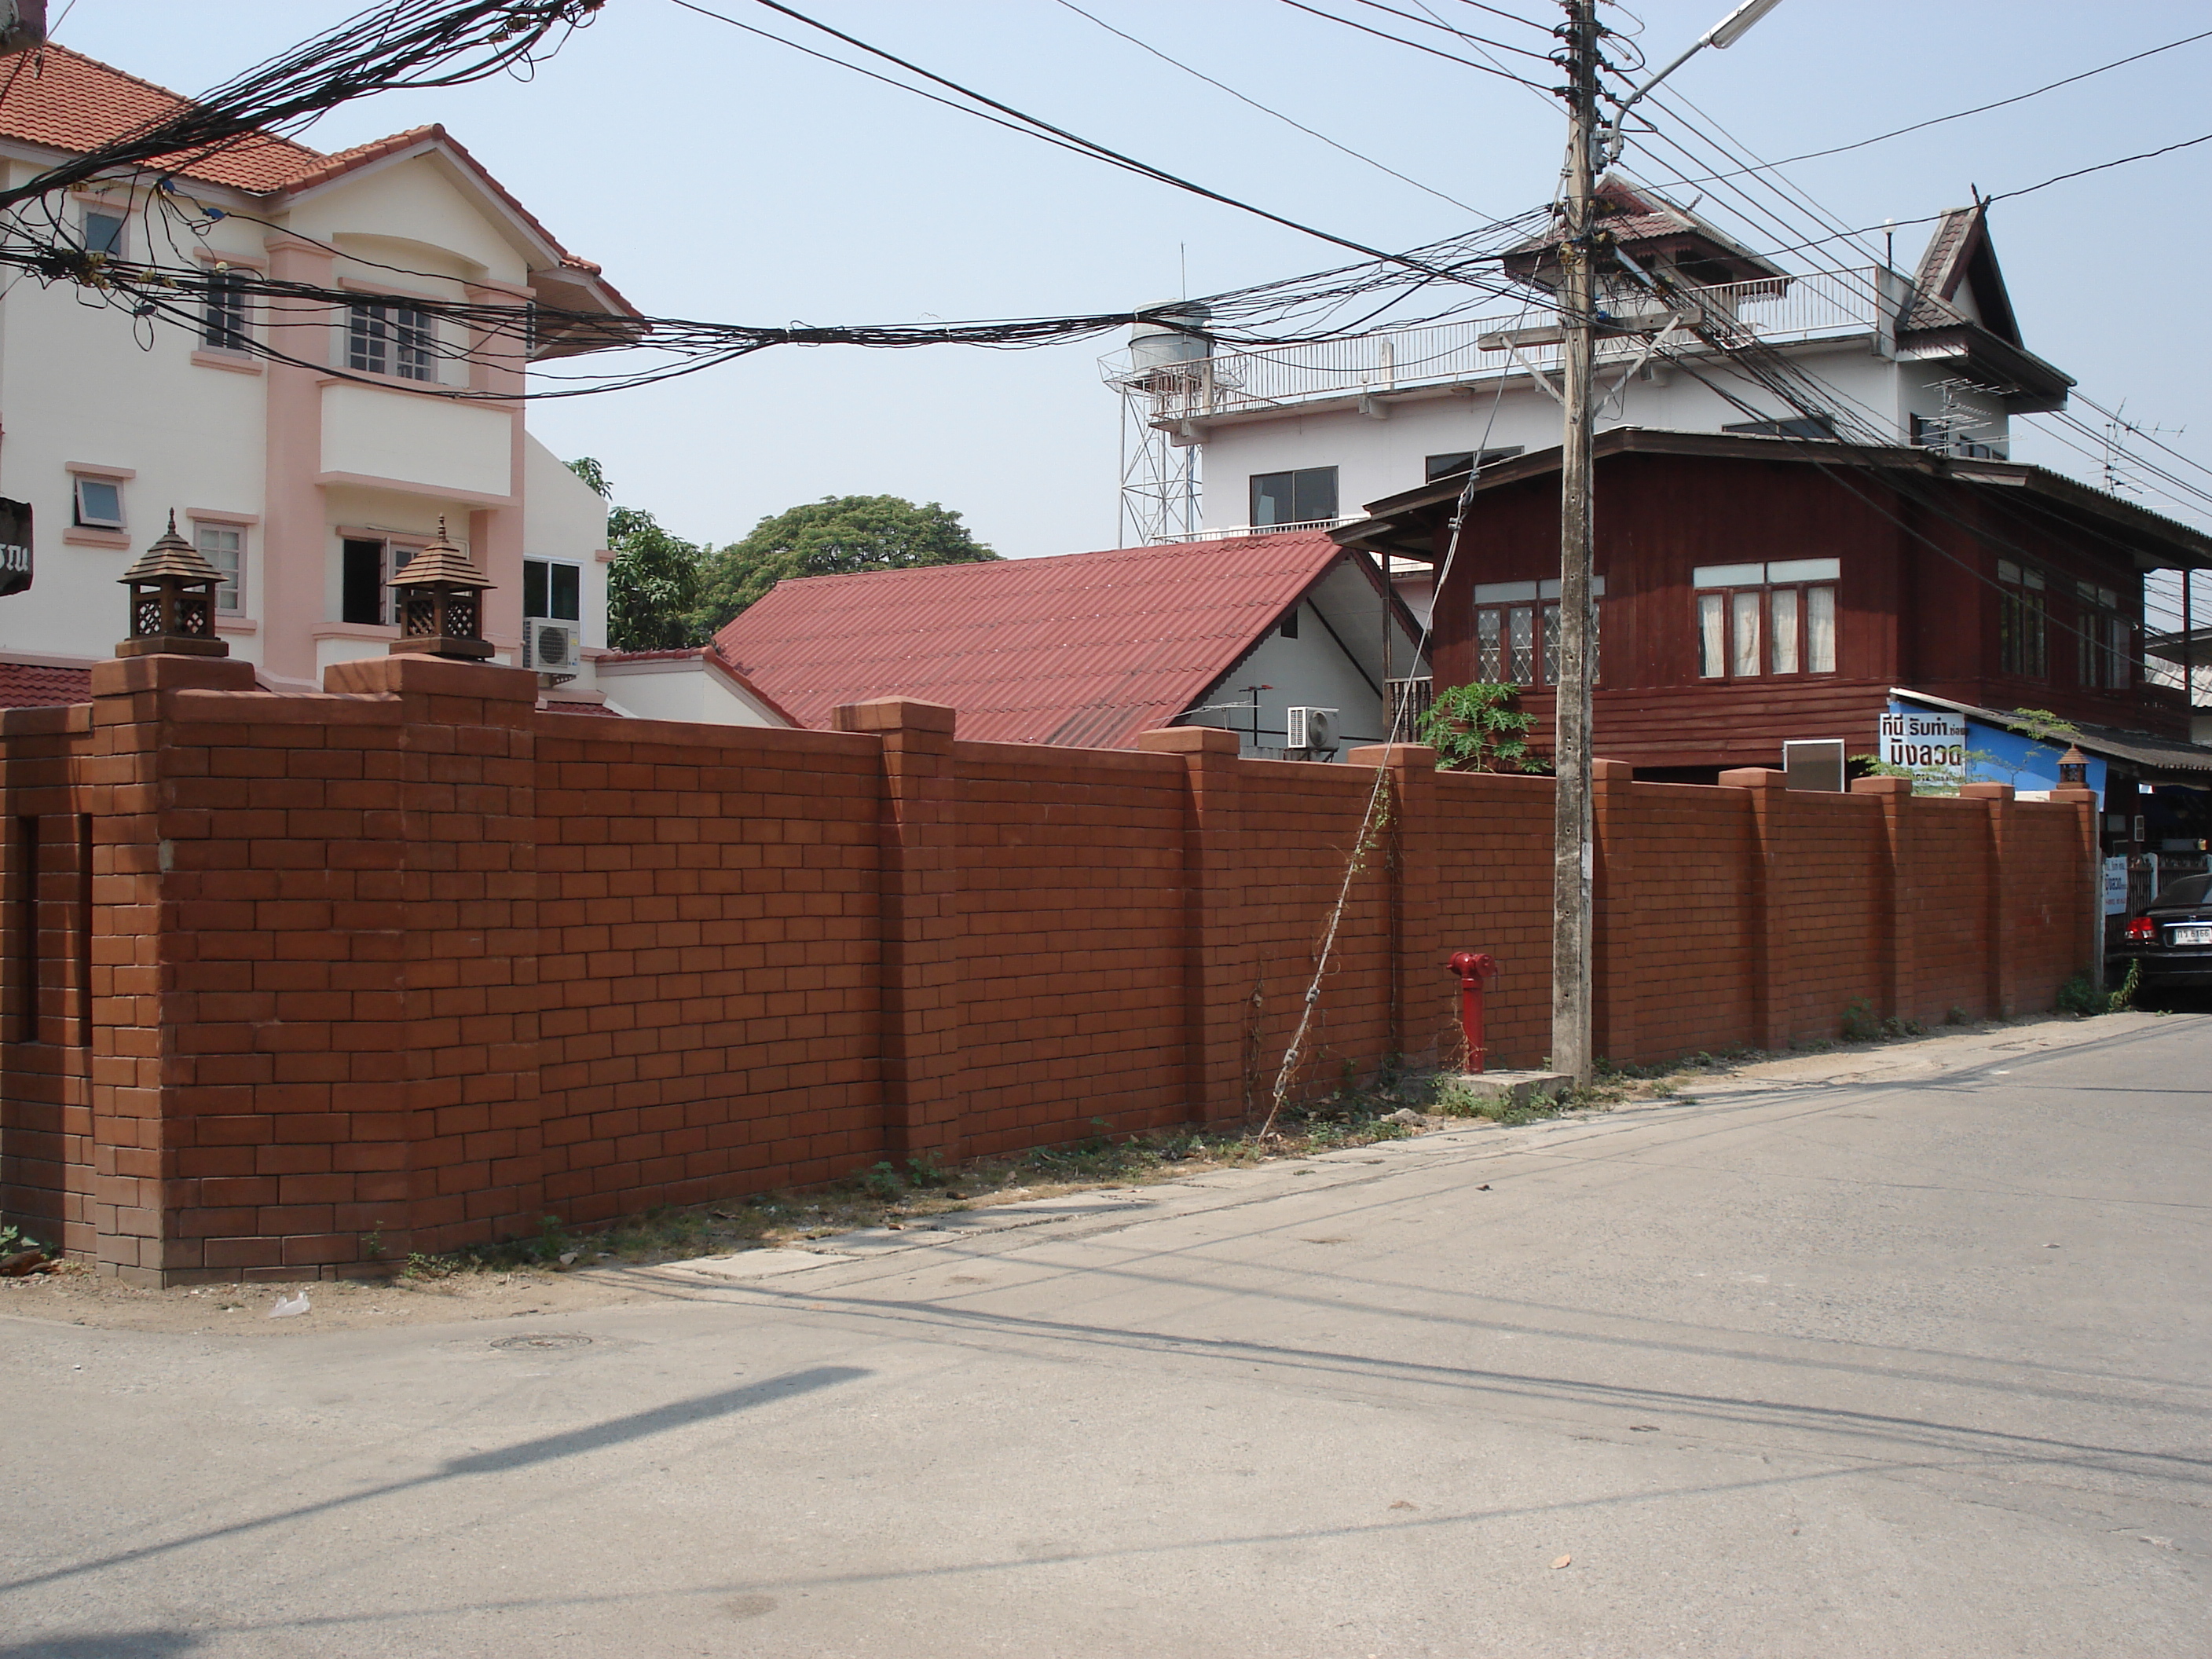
(172, 601)
(440, 604)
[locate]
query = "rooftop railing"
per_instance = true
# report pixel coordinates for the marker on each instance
(1818, 304)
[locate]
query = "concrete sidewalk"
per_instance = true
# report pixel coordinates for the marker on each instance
(1912, 1364)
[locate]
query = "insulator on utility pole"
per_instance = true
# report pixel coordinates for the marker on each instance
(1574, 854)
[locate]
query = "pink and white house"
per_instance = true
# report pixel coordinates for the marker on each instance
(310, 481)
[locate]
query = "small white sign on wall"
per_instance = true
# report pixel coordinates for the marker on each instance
(2116, 887)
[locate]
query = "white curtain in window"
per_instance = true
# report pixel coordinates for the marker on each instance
(1782, 618)
(1819, 630)
(1487, 639)
(1713, 636)
(1744, 618)
(1551, 645)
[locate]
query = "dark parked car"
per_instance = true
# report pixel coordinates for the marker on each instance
(2172, 936)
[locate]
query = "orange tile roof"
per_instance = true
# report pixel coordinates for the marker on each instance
(65, 100)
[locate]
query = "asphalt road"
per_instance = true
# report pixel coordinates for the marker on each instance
(1914, 1368)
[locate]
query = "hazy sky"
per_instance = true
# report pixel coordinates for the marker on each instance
(717, 176)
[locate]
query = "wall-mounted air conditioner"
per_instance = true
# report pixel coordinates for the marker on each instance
(550, 645)
(1313, 728)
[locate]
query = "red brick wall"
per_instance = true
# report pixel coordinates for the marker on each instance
(411, 964)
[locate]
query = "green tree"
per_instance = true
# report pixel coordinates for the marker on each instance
(654, 585)
(838, 535)
(1475, 728)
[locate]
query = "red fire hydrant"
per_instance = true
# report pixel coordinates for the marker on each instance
(1472, 967)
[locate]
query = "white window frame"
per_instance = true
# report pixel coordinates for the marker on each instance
(392, 326)
(80, 477)
(242, 528)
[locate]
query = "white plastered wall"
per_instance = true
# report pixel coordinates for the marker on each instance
(78, 385)
(1379, 456)
(682, 690)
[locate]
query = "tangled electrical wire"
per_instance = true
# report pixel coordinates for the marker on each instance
(194, 289)
(406, 45)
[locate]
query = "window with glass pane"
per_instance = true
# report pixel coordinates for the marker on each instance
(1551, 645)
(1743, 627)
(414, 343)
(103, 232)
(222, 543)
(223, 321)
(552, 591)
(1489, 647)
(368, 340)
(2022, 624)
(1713, 636)
(1819, 630)
(1307, 495)
(1520, 645)
(100, 504)
(1781, 623)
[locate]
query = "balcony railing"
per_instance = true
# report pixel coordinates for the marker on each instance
(1818, 304)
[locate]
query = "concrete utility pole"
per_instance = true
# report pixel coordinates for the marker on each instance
(1574, 853)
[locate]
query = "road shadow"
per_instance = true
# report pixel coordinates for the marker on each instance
(97, 1644)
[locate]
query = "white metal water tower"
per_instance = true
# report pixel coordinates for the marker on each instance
(1165, 378)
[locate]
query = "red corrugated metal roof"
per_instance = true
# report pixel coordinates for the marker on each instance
(42, 685)
(1086, 649)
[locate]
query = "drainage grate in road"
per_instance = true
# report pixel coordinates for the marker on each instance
(542, 1341)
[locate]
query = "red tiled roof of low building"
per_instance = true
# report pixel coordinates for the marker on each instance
(1086, 649)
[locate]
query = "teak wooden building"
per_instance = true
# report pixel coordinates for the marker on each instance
(1758, 589)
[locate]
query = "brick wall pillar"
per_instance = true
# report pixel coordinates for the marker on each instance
(1424, 1023)
(455, 1080)
(1766, 922)
(2089, 882)
(1898, 973)
(1618, 958)
(2004, 966)
(140, 1012)
(1216, 962)
(921, 899)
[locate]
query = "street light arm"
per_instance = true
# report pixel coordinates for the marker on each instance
(1722, 35)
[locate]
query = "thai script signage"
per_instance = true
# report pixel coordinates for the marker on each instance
(1925, 741)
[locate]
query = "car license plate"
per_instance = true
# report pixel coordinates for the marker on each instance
(2189, 935)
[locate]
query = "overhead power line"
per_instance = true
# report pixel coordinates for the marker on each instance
(2001, 196)
(1416, 45)
(1956, 115)
(1460, 35)
(999, 114)
(1241, 98)
(411, 43)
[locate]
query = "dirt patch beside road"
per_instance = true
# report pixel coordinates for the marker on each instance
(78, 1295)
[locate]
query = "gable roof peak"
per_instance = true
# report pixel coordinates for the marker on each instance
(1960, 255)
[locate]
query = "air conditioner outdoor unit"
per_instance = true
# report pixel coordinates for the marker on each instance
(1313, 728)
(549, 645)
